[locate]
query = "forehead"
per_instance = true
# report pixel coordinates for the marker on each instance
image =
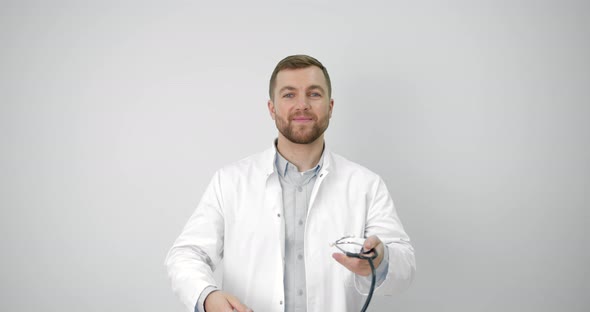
(301, 77)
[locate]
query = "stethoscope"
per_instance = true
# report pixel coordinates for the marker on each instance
(368, 255)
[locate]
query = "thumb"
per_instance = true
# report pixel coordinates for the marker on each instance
(371, 243)
(236, 304)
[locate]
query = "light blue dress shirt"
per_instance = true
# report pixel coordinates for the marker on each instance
(297, 187)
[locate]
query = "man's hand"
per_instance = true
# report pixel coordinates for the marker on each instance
(361, 266)
(219, 301)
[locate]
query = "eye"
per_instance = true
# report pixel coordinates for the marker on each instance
(315, 94)
(288, 95)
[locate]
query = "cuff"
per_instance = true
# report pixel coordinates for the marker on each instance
(383, 268)
(200, 306)
(363, 283)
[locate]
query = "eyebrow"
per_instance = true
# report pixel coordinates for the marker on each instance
(287, 88)
(316, 87)
(290, 88)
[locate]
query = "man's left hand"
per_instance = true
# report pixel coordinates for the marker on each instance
(361, 266)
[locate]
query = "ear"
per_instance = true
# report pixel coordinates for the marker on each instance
(331, 107)
(271, 109)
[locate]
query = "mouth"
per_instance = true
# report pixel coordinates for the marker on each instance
(302, 119)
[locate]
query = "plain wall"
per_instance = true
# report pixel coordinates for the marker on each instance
(115, 114)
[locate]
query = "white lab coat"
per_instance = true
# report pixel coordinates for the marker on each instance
(240, 219)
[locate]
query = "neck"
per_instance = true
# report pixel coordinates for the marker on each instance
(303, 156)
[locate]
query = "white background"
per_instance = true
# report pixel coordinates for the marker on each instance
(114, 116)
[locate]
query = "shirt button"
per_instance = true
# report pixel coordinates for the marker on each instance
(300, 222)
(300, 189)
(299, 256)
(300, 292)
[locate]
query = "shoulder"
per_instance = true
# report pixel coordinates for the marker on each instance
(343, 167)
(256, 164)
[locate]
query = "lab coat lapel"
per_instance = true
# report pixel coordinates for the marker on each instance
(273, 199)
(320, 178)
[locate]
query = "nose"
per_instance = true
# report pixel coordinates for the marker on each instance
(302, 104)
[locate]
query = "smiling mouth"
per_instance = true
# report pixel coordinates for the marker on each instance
(302, 118)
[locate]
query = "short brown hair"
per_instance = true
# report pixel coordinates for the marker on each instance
(295, 62)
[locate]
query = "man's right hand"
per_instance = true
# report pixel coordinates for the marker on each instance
(219, 301)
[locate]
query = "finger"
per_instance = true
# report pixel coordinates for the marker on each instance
(371, 242)
(354, 265)
(349, 262)
(340, 258)
(375, 243)
(236, 304)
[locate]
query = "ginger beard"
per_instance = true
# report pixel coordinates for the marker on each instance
(301, 133)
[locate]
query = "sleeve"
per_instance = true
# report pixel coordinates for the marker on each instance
(200, 306)
(199, 248)
(382, 221)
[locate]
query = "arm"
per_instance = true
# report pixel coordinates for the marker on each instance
(383, 222)
(395, 264)
(199, 248)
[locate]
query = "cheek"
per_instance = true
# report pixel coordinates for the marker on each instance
(280, 118)
(283, 113)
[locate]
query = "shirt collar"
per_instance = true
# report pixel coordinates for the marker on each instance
(282, 165)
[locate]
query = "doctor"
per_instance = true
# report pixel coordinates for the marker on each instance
(273, 215)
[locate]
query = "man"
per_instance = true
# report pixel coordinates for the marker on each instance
(272, 217)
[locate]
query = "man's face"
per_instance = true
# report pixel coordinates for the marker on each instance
(301, 107)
